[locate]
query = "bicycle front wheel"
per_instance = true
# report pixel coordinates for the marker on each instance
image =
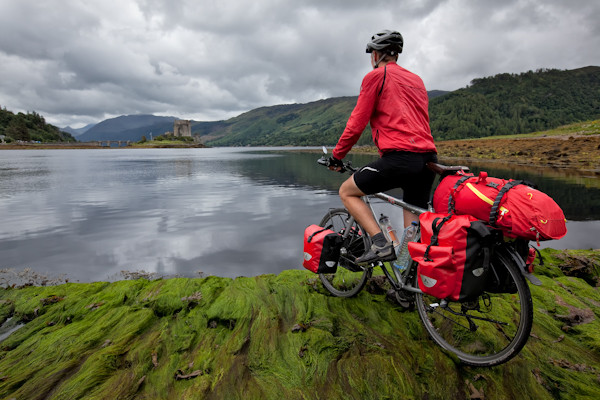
(349, 278)
(490, 330)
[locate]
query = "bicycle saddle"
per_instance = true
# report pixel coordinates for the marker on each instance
(443, 170)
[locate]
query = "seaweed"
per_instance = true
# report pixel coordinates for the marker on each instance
(282, 336)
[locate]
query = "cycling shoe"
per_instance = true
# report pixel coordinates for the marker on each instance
(376, 253)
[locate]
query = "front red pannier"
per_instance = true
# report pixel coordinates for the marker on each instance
(453, 256)
(515, 208)
(321, 249)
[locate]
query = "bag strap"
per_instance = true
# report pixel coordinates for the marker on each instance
(486, 238)
(435, 227)
(539, 255)
(451, 201)
(316, 233)
(494, 211)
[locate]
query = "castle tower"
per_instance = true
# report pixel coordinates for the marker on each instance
(182, 128)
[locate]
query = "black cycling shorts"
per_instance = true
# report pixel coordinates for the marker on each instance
(399, 169)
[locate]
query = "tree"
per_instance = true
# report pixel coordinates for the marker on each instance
(17, 129)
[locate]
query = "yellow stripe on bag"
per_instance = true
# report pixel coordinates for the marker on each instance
(485, 198)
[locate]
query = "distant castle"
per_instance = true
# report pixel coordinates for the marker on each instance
(181, 128)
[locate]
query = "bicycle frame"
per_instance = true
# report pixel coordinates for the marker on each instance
(401, 283)
(440, 171)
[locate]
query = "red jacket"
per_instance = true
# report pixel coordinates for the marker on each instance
(395, 101)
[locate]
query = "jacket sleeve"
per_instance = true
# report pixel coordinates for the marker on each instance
(360, 115)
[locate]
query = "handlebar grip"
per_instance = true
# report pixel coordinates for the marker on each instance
(325, 161)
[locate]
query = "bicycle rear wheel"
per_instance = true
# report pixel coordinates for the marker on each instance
(349, 278)
(490, 330)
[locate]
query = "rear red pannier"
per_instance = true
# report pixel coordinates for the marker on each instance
(510, 205)
(453, 256)
(321, 249)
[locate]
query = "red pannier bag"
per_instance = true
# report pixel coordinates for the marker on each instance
(321, 249)
(453, 256)
(517, 209)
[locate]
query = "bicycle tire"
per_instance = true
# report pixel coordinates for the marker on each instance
(349, 278)
(497, 339)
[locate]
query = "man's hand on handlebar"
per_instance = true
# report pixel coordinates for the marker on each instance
(335, 165)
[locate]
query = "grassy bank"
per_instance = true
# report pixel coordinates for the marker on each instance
(272, 337)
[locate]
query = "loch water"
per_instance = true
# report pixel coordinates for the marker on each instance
(88, 215)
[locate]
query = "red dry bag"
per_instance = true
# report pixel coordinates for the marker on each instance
(517, 209)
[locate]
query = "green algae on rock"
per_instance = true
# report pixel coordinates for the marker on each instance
(272, 337)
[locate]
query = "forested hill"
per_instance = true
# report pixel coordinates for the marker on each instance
(310, 124)
(499, 105)
(508, 104)
(28, 127)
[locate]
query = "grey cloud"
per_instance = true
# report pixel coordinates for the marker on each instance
(81, 62)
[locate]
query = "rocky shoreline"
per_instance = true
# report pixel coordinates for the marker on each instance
(567, 152)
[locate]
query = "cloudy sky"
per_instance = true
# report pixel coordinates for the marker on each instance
(82, 61)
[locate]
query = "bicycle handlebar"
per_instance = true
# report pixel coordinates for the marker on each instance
(346, 166)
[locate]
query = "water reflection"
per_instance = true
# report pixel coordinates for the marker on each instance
(91, 213)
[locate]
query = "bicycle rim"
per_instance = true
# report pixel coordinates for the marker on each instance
(503, 320)
(349, 278)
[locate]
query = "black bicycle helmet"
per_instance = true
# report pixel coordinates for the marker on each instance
(389, 42)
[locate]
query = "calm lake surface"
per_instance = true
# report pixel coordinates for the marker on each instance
(90, 214)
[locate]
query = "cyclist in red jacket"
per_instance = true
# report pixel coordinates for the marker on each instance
(395, 102)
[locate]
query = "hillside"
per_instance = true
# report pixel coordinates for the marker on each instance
(295, 124)
(508, 104)
(274, 337)
(574, 146)
(29, 127)
(499, 105)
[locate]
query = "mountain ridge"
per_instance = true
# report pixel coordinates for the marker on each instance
(77, 131)
(497, 105)
(128, 127)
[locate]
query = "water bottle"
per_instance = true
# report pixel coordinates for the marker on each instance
(388, 231)
(403, 256)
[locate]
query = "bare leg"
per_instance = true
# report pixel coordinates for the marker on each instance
(351, 198)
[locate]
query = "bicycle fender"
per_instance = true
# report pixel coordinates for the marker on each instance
(510, 252)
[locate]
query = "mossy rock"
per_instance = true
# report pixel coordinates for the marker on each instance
(282, 336)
